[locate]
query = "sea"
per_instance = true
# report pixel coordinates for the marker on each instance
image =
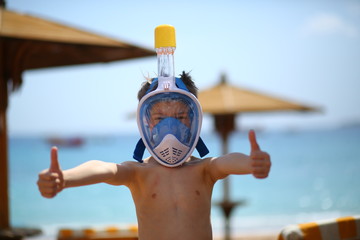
(315, 175)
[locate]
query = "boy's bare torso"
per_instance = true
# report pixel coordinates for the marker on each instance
(173, 203)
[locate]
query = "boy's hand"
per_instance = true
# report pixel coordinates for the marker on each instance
(51, 181)
(260, 161)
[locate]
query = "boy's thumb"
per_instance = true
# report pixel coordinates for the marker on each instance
(253, 143)
(54, 164)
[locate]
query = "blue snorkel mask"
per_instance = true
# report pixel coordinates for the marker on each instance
(169, 120)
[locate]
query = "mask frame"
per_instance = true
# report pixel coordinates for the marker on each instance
(169, 85)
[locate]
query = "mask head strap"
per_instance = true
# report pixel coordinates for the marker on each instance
(139, 151)
(179, 83)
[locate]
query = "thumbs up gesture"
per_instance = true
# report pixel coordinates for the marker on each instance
(51, 181)
(260, 161)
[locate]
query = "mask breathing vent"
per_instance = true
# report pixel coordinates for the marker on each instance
(171, 149)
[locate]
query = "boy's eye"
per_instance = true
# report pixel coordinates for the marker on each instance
(159, 118)
(183, 119)
(181, 116)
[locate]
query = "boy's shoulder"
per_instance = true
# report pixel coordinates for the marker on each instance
(194, 160)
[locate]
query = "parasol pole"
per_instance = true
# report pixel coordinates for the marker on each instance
(224, 126)
(4, 196)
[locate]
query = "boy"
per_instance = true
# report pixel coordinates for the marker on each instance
(171, 202)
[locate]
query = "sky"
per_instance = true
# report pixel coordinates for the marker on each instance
(307, 51)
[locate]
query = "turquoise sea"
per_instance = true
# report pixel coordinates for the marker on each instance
(315, 175)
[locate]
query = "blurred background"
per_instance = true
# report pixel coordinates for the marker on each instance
(302, 51)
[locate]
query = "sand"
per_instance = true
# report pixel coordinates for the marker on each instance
(252, 237)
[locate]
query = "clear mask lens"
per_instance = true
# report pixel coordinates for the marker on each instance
(170, 113)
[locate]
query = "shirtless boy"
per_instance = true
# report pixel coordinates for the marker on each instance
(171, 202)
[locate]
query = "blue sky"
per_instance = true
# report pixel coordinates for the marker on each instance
(305, 51)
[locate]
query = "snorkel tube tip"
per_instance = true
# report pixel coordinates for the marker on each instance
(165, 36)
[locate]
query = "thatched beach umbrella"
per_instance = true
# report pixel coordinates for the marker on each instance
(224, 102)
(28, 42)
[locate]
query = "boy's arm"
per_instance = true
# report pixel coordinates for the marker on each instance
(257, 163)
(53, 180)
(96, 171)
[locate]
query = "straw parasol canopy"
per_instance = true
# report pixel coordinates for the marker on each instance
(31, 43)
(28, 42)
(224, 102)
(228, 99)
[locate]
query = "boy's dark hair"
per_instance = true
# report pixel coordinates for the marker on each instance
(185, 77)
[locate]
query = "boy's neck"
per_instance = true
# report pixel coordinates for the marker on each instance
(151, 160)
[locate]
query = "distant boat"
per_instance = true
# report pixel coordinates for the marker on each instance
(66, 142)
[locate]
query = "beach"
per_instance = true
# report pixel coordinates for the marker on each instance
(295, 192)
(252, 237)
(268, 236)
(241, 237)
(256, 237)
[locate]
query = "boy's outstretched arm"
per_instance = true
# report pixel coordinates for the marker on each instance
(53, 180)
(257, 163)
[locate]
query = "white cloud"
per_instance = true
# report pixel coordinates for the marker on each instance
(329, 24)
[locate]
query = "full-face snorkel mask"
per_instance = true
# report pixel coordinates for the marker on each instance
(170, 117)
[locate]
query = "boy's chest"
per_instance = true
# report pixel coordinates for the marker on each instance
(174, 180)
(175, 185)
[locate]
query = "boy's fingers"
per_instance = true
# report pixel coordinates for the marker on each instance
(54, 164)
(46, 184)
(259, 155)
(48, 195)
(44, 175)
(261, 175)
(253, 143)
